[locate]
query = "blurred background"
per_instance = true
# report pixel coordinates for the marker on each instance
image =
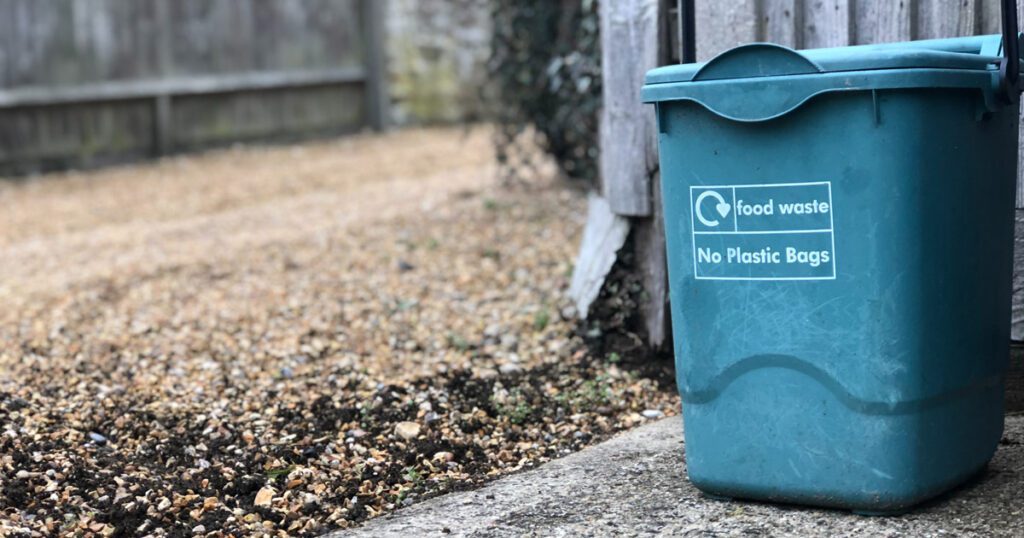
(87, 83)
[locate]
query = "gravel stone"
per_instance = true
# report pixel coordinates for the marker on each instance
(226, 319)
(264, 496)
(407, 430)
(508, 369)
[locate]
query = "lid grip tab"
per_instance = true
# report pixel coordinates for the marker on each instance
(756, 60)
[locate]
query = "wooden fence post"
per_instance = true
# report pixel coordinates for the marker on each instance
(634, 39)
(378, 99)
(163, 132)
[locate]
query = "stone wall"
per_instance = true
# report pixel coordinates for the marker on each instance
(437, 55)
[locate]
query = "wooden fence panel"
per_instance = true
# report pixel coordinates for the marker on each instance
(77, 76)
(229, 36)
(48, 42)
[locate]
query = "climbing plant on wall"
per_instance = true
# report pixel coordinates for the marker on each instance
(545, 74)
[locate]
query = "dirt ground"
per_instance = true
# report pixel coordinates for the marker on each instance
(287, 340)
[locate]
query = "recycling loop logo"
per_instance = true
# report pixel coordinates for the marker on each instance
(722, 207)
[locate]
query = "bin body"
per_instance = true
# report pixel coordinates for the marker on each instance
(840, 273)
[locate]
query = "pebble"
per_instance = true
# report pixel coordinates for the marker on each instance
(485, 373)
(407, 430)
(264, 496)
(17, 404)
(97, 438)
(509, 341)
(652, 413)
(508, 369)
(355, 433)
(198, 529)
(164, 504)
(443, 456)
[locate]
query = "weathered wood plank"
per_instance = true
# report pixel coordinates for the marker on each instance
(827, 23)
(991, 22)
(883, 21)
(603, 236)
(1017, 316)
(39, 139)
(141, 89)
(631, 37)
(724, 25)
(200, 121)
(946, 18)
(781, 22)
(649, 245)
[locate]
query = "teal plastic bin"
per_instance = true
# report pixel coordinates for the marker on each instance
(839, 225)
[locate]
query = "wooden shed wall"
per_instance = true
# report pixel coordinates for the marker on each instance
(85, 82)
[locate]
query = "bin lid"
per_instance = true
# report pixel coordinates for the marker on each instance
(761, 81)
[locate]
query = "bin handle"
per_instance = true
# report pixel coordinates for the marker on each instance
(1009, 67)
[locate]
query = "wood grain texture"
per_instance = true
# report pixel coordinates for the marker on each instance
(991, 21)
(883, 21)
(946, 18)
(781, 22)
(649, 245)
(827, 23)
(724, 25)
(631, 43)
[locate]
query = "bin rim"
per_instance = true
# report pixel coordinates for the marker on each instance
(763, 81)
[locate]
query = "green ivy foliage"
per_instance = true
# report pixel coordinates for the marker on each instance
(545, 70)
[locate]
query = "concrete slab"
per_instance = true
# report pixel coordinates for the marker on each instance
(635, 484)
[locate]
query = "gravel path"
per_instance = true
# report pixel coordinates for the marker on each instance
(287, 340)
